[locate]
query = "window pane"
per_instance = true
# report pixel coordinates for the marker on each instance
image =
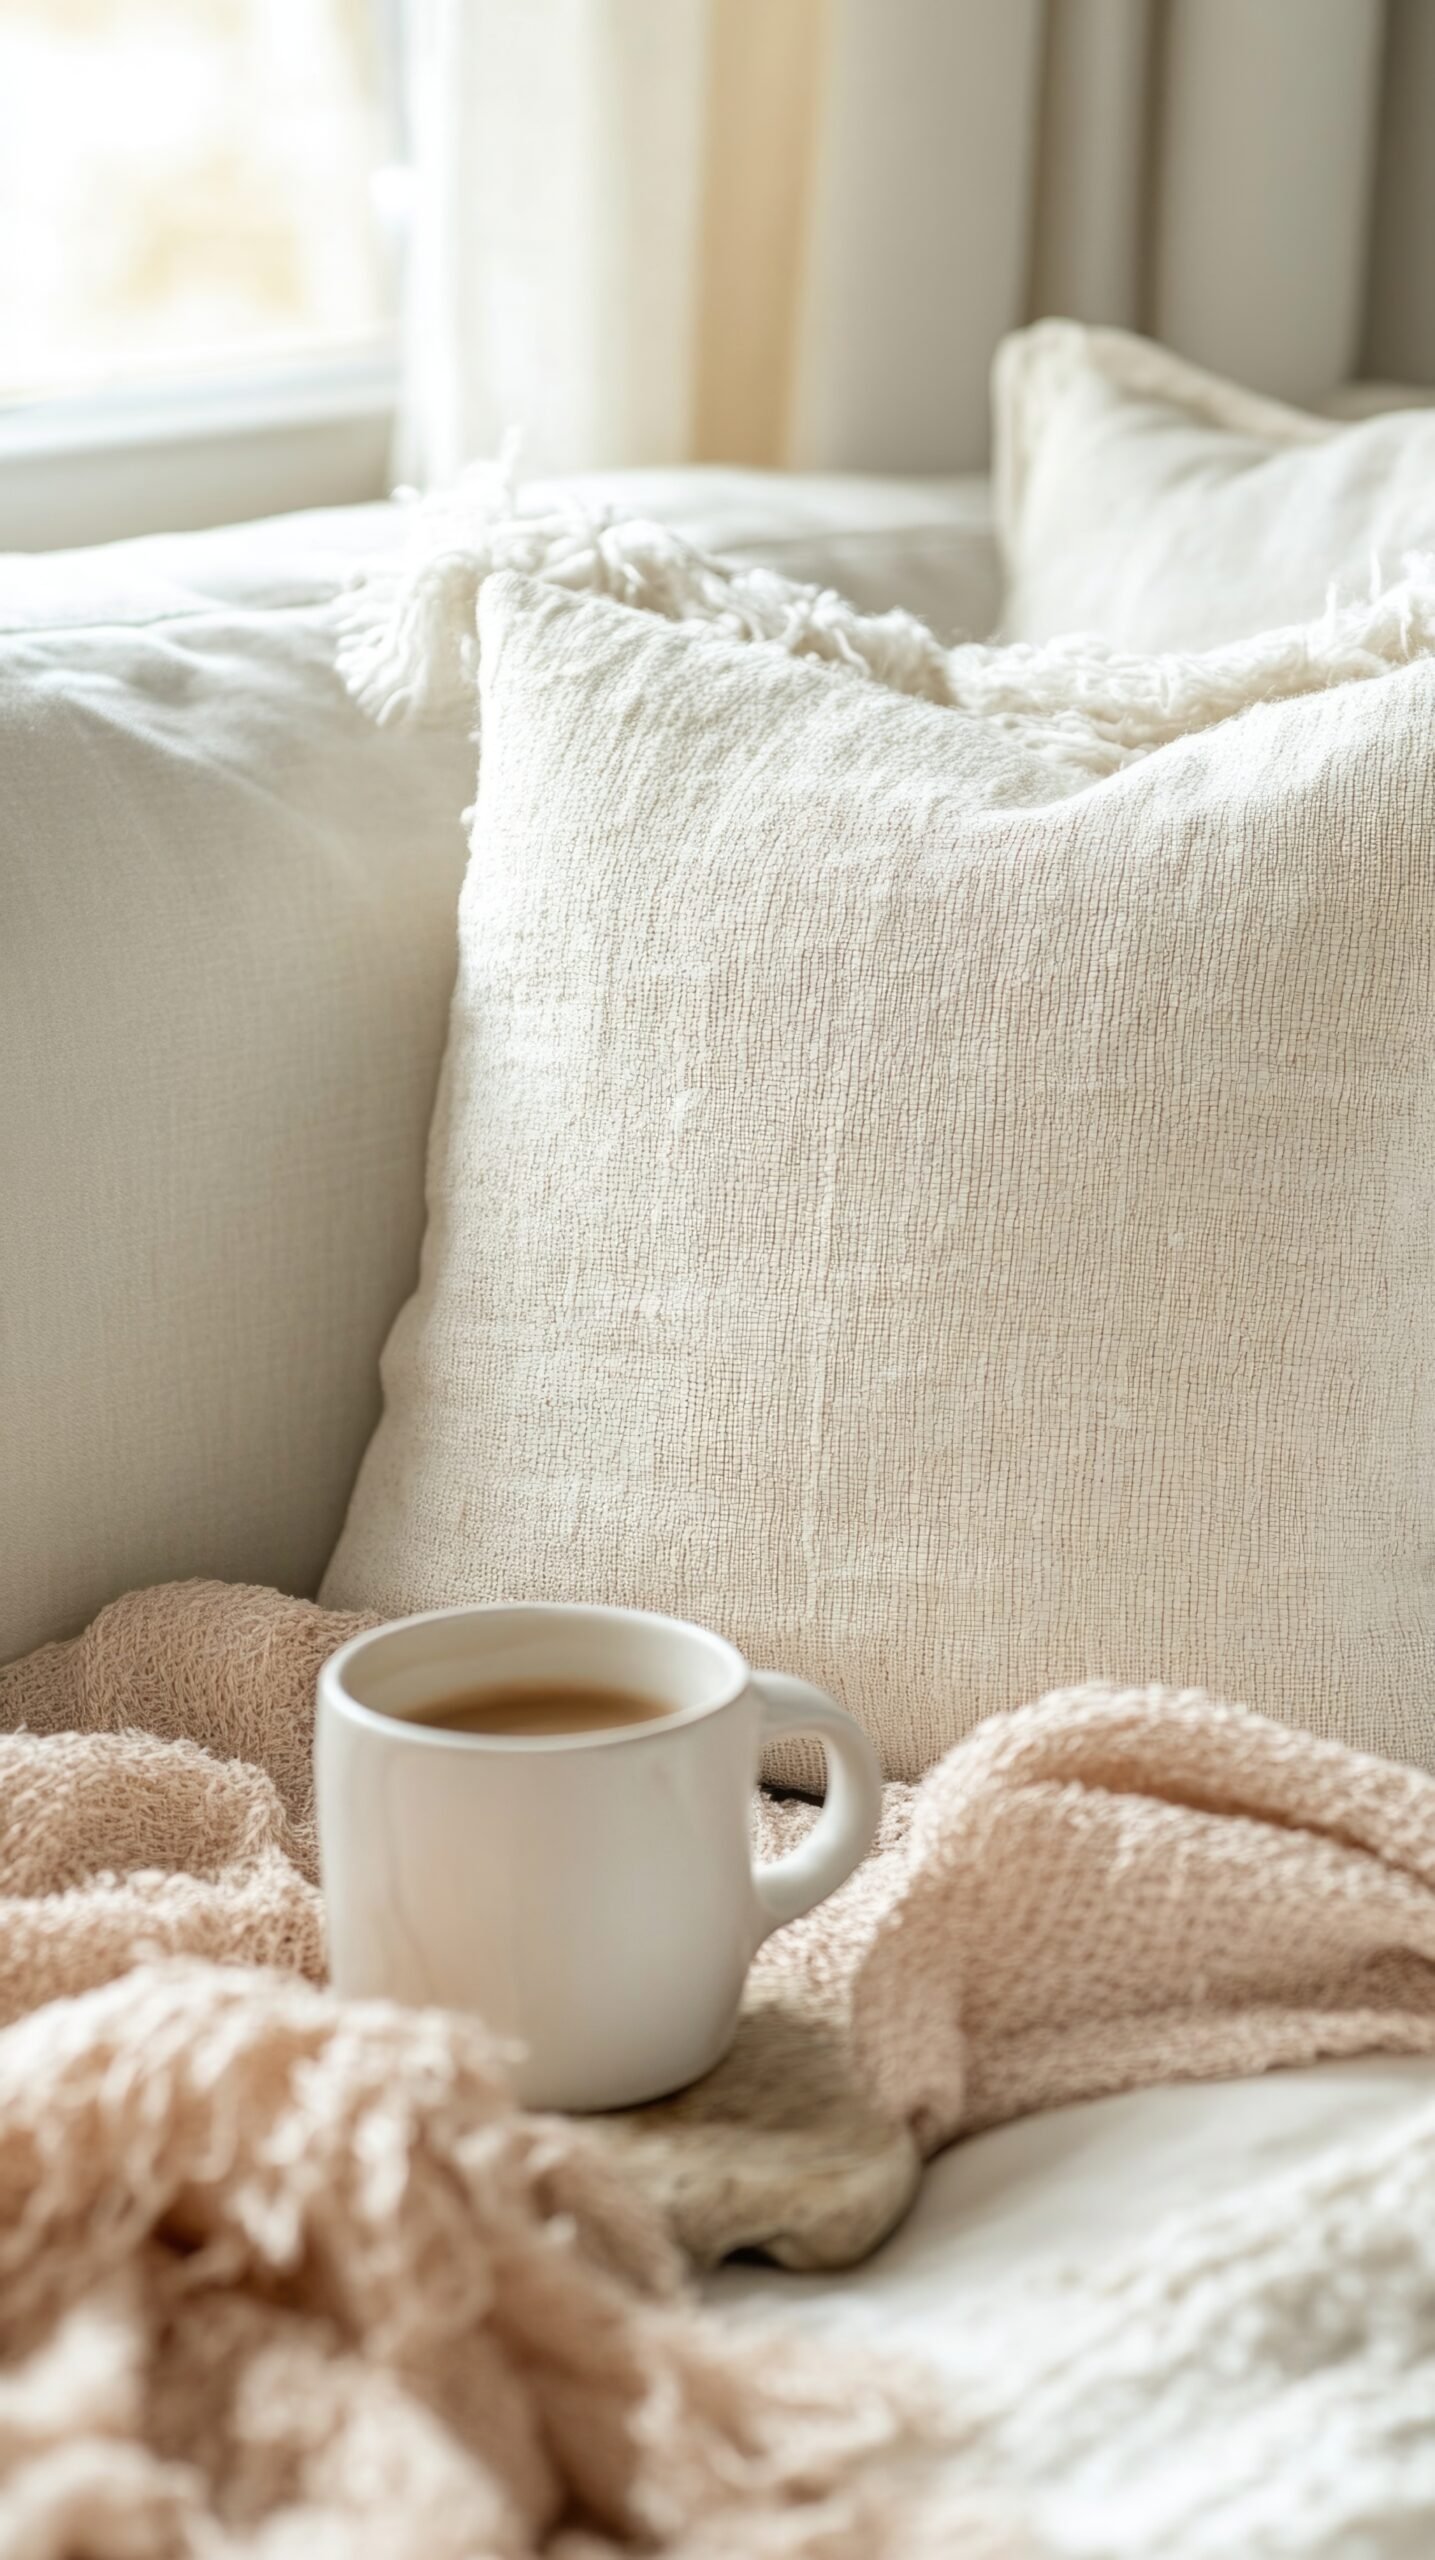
(185, 186)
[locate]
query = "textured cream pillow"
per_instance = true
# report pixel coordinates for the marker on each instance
(1143, 499)
(226, 956)
(955, 1225)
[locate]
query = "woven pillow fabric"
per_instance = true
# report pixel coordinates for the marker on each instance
(954, 1219)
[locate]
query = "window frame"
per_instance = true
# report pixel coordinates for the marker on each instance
(171, 455)
(175, 455)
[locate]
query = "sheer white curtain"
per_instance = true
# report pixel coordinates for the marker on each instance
(782, 231)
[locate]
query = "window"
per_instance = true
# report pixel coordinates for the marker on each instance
(197, 201)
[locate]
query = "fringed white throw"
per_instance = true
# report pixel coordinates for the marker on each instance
(408, 645)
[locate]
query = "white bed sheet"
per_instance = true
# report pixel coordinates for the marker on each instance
(1003, 2222)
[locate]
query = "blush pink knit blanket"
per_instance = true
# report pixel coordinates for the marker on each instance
(283, 2274)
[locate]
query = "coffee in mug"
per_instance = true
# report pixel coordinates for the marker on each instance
(524, 1706)
(541, 1814)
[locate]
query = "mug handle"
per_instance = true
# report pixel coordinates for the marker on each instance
(844, 1830)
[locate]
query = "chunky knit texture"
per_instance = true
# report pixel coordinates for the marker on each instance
(279, 2272)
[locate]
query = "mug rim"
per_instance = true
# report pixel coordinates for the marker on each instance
(333, 1692)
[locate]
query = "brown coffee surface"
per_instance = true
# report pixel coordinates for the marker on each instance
(538, 1707)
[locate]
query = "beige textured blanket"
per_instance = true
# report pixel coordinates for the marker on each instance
(279, 2274)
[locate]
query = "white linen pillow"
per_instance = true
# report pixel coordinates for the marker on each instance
(955, 1225)
(1141, 498)
(226, 955)
(218, 1053)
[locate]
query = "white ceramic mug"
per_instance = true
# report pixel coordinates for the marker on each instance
(591, 1895)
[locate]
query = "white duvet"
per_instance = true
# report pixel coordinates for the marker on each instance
(1192, 2323)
